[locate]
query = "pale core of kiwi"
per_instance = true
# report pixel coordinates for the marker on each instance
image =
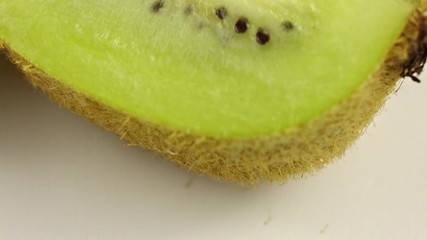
(241, 26)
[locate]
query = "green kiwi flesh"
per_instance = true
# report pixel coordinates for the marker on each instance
(240, 90)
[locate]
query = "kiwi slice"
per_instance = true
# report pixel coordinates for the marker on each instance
(238, 90)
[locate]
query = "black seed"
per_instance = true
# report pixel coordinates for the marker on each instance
(288, 26)
(188, 9)
(157, 5)
(241, 25)
(262, 36)
(221, 13)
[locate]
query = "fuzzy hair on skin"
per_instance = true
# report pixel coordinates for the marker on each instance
(248, 161)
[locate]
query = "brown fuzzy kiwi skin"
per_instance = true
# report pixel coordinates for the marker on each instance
(276, 157)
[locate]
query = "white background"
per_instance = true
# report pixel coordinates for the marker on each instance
(62, 177)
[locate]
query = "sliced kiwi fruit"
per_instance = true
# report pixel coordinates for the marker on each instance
(238, 90)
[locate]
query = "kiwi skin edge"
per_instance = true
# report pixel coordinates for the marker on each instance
(248, 161)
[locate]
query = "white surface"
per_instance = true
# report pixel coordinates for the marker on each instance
(62, 177)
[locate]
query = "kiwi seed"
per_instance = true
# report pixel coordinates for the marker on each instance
(262, 36)
(221, 12)
(288, 26)
(157, 5)
(241, 25)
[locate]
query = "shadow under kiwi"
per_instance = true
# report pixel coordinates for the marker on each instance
(63, 162)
